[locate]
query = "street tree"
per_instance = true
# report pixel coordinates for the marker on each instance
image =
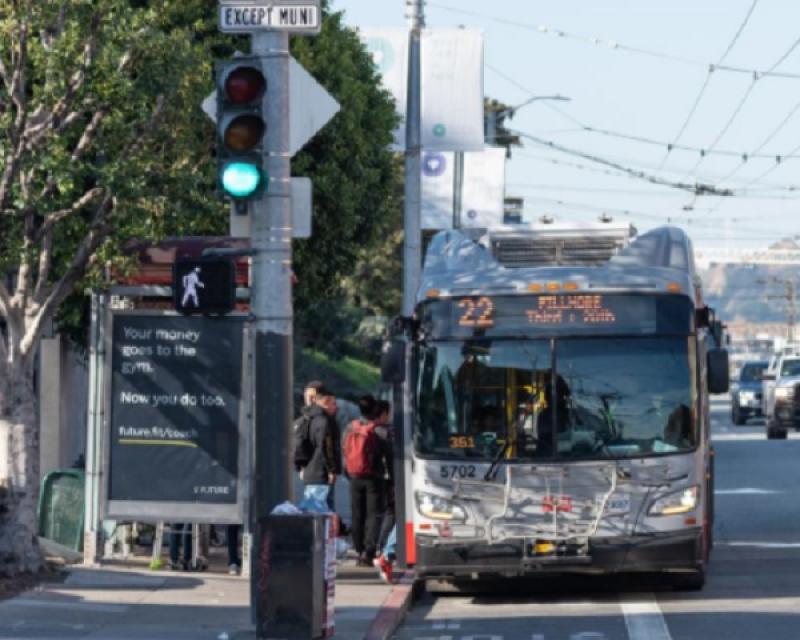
(355, 175)
(101, 141)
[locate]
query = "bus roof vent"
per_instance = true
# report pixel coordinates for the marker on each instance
(556, 246)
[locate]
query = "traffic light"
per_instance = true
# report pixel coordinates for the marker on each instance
(204, 285)
(241, 86)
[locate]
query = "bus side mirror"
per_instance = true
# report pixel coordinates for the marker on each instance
(718, 371)
(393, 361)
(769, 376)
(703, 317)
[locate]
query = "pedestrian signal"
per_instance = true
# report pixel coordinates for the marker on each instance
(204, 286)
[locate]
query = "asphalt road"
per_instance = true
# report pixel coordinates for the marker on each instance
(753, 587)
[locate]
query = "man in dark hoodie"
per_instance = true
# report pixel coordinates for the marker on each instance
(316, 455)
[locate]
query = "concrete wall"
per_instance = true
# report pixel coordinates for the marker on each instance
(63, 399)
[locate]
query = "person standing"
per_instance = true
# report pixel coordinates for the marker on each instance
(234, 559)
(180, 532)
(310, 392)
(317, 455)
(365, 456)
(384, 431)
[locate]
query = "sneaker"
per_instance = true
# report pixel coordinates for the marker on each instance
(364, 561)
(384, 568)
(233, 569)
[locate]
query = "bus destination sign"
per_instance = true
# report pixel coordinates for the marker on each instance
(265, 15)
(570, 309)
(561, 313)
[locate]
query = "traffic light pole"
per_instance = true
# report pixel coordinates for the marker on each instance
(271, 288)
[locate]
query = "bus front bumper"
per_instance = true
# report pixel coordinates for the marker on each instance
(659, 551)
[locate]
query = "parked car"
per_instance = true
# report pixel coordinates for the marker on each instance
(746, 392)
(782, 396)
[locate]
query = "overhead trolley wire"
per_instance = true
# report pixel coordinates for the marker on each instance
(615, 45)
(742, 102)
(707, 81)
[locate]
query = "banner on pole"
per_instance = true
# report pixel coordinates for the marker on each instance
(452, 84)
(452, 90)
(483, 191)
(389, 51)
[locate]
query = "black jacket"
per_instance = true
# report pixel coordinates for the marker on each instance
(324, 436)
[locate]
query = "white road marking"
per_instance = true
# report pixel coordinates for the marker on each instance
(644, 619)
(762, 545)
(745, 491)
(52, 604)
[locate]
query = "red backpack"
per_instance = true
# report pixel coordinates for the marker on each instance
(360, 449)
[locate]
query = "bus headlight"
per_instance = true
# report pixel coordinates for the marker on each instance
(675, 503)
(438, 508)
(784, 393)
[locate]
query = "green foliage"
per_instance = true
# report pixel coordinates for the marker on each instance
(362, 376)
(355, 175)
(153, 148)
(132, 129)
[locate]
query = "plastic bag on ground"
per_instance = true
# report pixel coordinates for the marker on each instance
(286, 509)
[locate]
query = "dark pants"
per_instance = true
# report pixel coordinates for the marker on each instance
(365, 495)
(386, 519)
(232, 534)
(178, 531)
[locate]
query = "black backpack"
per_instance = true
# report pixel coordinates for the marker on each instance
(303, 447)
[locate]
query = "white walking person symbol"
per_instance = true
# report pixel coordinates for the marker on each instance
(190, 283)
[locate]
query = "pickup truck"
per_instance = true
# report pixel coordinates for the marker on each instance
(781, 396)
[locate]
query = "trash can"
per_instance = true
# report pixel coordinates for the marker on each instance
(61, 507)
(293, 578)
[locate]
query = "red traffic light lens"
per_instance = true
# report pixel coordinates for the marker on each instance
(244, 85)
(244, 132)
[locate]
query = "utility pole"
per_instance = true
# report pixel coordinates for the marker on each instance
(271, 296)
(412, 244)
(790, 296)
(458, 188)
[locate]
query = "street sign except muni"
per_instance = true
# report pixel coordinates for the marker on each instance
(303, 16)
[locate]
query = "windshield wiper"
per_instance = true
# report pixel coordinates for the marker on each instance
(491, 472)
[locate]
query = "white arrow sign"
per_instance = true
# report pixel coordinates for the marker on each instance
(311, 106)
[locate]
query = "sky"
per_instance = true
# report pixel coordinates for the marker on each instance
(681, 72)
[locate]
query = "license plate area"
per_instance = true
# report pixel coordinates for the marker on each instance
(618, 505)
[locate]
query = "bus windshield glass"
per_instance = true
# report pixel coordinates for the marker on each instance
(569, 398)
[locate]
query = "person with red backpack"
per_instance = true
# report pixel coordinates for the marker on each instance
(365, 458)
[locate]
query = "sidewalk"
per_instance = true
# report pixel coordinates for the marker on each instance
(124, 603)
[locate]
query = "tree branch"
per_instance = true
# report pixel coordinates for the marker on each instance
(45, 264)
(53, 218)
(80, 262)
(5, 299)
(24, 271)
(87, 137)
(55, 119)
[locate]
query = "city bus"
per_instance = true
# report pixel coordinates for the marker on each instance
(553, 406)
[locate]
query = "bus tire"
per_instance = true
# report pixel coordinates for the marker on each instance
(694, 581)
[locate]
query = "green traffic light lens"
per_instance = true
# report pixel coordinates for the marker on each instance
(241, 179)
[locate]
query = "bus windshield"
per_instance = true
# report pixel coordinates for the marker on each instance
(555, 399)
